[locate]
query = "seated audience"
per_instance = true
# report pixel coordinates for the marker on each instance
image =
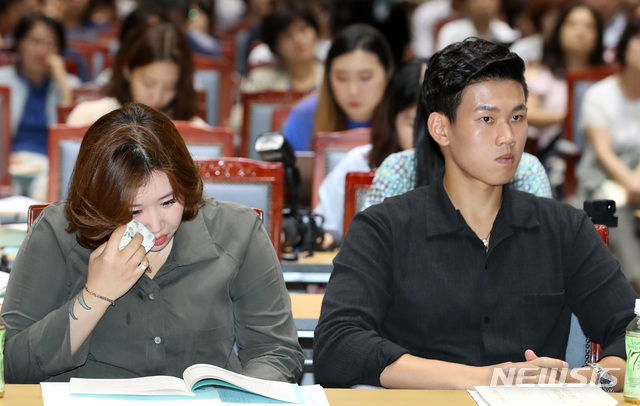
(610, 164)
(291, 33)
(178, 12)
(101, 15)
(481, 20)
(200, 26)
(452, 283)
(535, 21)
(424, 23)
(575, 43)
(210, 290)
(11, 11)
(612, 13)
(357, 68)
(38, 82)
(261, 53)
(154, 66)
(391, 131)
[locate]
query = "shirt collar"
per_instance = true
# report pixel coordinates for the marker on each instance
(190, 241)
(517, 211)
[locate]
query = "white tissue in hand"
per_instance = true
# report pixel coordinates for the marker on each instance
(133, 228)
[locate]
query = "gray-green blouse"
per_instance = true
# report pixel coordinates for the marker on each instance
(221, 287)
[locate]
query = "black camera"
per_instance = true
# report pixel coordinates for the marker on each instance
(602, 212)
(301, 228)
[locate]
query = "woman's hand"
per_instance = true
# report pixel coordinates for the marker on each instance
(59, 74)
(113, 272)
(56, 67)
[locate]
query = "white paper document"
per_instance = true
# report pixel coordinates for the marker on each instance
(548, 395)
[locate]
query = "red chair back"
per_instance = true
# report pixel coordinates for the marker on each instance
(257, 111)
(330, 147)
(252, 183)
(356, 184)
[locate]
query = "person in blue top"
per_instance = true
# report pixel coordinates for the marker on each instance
(37, 82)
(357, 68)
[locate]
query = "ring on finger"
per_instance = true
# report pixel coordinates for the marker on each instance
(143, 266)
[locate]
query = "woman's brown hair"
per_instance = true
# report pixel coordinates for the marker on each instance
(329, 115)
(155, 43)
(117, 157)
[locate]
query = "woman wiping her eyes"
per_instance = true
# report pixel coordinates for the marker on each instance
(210, 290)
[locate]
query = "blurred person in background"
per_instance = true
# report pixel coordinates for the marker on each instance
(575, 43)
(291, 33)
(391, 132)
(610, 163)
(612, 13)
(154, 66)
(38, 82)
(535, 19)
(356, 72)
(481, 19)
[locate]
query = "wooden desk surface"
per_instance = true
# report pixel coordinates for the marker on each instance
(306, 305)
(30, 395)
(314, 269)
(318, 258)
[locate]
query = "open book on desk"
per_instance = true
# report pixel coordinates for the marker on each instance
(195, 377)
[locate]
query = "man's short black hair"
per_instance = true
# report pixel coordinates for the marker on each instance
(449, 72)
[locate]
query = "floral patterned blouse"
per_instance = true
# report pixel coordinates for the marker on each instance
(397, 175)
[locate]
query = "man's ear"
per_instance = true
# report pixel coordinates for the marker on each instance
(438, 125)
(126, 73)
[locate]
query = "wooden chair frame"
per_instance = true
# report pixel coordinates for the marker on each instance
(225, 94)
(197, 135)
(333, 141)
(285, 98)
(57, 133)
(89, 49)
(245, 170)
(192, 135)
(354, 182)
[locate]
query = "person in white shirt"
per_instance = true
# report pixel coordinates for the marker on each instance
(481, 21)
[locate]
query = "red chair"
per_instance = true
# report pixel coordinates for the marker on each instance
(330, 147)
(206, 142)
(578, 81)
(257, 111)
(279, 116)
(356, 184)
(594, 350)
(64, 145)
(214, 74)
(33, 212)
(251, 183)
(95, 53)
